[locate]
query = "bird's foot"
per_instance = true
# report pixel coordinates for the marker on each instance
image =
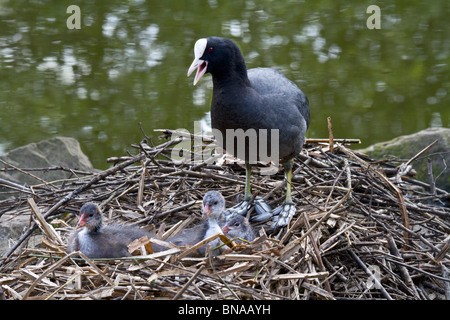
(284, 214)
(241, 209)
(263, 211)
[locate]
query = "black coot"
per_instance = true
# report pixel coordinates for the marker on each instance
(260, 98)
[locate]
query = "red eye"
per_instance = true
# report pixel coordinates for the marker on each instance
(210, 49)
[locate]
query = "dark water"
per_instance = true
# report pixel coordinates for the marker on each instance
(128, 62)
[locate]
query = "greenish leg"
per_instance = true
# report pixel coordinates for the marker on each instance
(288, 176)
(248, 173)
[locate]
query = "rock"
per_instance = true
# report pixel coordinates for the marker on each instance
(406, 147)
(56, 152)
(11, 229)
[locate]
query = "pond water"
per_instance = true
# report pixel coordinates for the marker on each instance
(128, 61)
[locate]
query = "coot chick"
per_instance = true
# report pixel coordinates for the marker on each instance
(239, 227)
(95, 240)
(260, 98)
(213, 206)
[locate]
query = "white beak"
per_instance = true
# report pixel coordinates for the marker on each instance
(199, 64)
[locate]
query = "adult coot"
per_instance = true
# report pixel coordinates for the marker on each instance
(257, 99)
(98, 241)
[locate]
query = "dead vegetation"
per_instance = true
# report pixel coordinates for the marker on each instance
(362, 230)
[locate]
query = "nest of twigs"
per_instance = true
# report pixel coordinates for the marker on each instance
(362, 230)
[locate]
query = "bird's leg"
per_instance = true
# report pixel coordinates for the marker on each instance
(288, 176)
(263, 210)
(248, 173)
(287, 210)
(242, 207)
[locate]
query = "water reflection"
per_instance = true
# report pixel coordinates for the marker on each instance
(128, 63)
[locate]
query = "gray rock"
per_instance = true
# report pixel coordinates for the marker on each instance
(406, 147)
(55, 152)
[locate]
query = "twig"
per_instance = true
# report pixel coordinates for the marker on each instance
(50, 269)
(446, 274)
(370, 274)
(421, 152)
(22, 171)
(443, 251)
(365, 165)
(48, 229)
(15, 186)
(330, 134)
(317, 253)
(343, 141)
(431, 177)
(180, 293)
(403, 271)
(418, 269)
(325, 216)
